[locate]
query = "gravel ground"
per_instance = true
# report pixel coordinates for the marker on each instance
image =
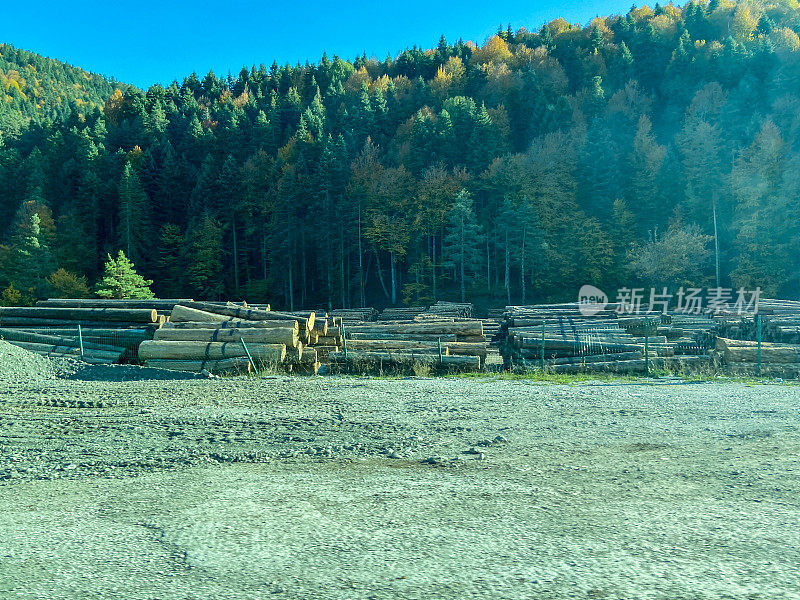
(338, 487)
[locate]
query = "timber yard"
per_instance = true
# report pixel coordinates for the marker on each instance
(397, 474)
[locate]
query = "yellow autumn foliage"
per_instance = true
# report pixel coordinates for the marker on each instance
(495, 50)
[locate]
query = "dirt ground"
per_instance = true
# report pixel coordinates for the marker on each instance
(339, 487)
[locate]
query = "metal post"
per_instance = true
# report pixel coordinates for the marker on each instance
(758, 339)
(250, 358)
(80, 338)
(440, 350)
(542, 344)
(344, 342)
(646, 346)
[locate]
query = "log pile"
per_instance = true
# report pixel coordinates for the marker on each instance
(116, 326)
(443, 344)
(456, 310)
(220, 338)
(780, 322)
(403, 313)
(355, 315)
(741, 357)
(563, 339)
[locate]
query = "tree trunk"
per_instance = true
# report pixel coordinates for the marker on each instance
(463, 260)
(394, 280)
(433, 264)
(380, 275)
(488, 266)
(522, 266)
(507, 281)
(291, 286)
(360, 263)
(235, 255)
(305, 279)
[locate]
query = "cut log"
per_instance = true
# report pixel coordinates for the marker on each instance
(459, 328)
(456, 348)
(189, 314)
(445, 337)
(224, 308)
(152, 349)
(158, 304)
(228, 365)
(323, 352)
(470, 363)
(73, 352)
(576, 360)
(132, 315)
(300, 356)
(35, 322)
(16, 335)
(620, 366)
(234, 324)
(270, 335)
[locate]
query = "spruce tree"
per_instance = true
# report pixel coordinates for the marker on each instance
(121, 281)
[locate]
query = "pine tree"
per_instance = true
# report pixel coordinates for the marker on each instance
(121, 281)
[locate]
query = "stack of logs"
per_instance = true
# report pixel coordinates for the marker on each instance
(455, 310)
(780, 322)
(562, 339)
(402, 313)
(97, 330)
(441, 344)
(355, 315)
(224, 338)
(741, 357)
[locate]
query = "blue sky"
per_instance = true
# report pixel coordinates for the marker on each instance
(148, 42)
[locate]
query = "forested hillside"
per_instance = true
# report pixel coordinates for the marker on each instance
(35, 88)
(516, 170)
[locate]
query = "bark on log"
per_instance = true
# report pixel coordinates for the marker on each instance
(89, 332)
(228, 365)
(235, 324)
(35, 322)
(747, 351)
(16, 335)
(459, 328)
(597, 358)
(190, 313)
(73, 352)
(271, 335)
(447, 337)
(621, 366)
(152, 349)
(131, 315)
(454, 348)
(468, 363)
(158, 304)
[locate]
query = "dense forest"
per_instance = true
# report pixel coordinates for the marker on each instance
(617, 153)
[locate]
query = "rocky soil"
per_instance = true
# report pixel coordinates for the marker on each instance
(166, 486)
